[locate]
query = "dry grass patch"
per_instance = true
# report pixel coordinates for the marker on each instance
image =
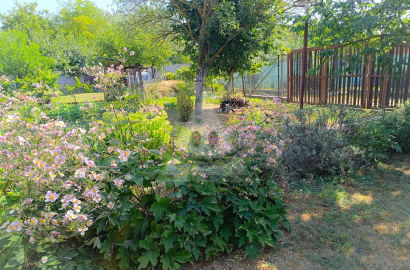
(362, 225)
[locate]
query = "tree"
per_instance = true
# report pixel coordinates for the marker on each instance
(81, 18)
(376, 26)
(124, 32)
(18, 57)
(211, 28)
(26, 18)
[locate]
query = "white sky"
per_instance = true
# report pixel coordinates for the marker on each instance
(50, 5)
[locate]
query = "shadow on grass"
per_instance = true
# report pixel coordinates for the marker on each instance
(361, 225)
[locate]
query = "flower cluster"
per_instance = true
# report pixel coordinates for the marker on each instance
(251, 136)
(52, 168)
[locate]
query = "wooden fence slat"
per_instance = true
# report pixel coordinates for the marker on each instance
(368, 85)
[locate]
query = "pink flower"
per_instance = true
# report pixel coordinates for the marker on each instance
(70, 215)
(118, 182)
(110, 205)
(15, 226)
(124, 49)
(51, 196)
(132, 53)
(28, 201)
(80, 173)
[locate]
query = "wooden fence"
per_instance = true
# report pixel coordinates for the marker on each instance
(364, 85)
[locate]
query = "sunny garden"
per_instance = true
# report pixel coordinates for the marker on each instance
(183, 171)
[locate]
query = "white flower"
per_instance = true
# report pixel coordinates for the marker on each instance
(51, 196)
(31, 240)
(118, 182)
(14, 226)
(75, 201)
(70, 215)
(80, 173)
(44, 259)
(32, 221)
(89, 222)
(77, 208)
(110, 205)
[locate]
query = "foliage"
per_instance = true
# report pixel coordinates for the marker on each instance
(373, 27)
(109, 80)
(185, 106)
(401, 121)
(319, 142)
(81, 18)
(78, 85)
(19, 57)
(170, 75)
(26, 18)
(39, 82)
(186, 73)
(213, 28)
(74, 113)
(385, 132)
(375, 139)
(148, 124)
(83, 194)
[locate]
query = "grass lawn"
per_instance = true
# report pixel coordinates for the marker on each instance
(363, 224)
(99, 96)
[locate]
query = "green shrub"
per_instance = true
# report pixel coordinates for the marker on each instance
(319, 143)
(374, 138)
(185, 106)
(186, 73)
(72, 113)
(399, 122)
(184, 103)
(170, 75)
(149, 125)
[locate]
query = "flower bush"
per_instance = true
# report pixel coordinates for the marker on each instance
(98, 194)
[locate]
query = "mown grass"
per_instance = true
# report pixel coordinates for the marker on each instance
(80, 97)
(361, 224)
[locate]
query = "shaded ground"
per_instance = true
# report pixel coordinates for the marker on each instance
(183, 130)
(209, 115)
(364, 224)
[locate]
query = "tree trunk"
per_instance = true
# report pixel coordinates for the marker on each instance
(154, 73)
(200, 79)
(201, 71)
(228, 85)
(243, 87)
(141, 81)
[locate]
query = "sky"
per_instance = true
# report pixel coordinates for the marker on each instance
(50, 5)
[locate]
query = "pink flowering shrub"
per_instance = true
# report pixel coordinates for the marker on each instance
(104, 188)
(108, 80)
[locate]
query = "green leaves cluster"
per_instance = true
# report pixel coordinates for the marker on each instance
(201, 217)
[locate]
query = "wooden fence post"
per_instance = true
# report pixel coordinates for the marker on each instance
(323, 83)
(384, 88)
(290, 77)
(366, 84)
(281, 75)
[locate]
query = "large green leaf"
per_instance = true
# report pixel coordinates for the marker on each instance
(171, 259)
(160, 208)
(210, 203)
(151, 255)
(252, 250)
